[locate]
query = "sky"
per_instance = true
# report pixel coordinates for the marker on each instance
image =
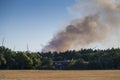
(35, 23)
(31, 22)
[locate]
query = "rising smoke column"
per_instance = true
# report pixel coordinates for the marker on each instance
(100, 16)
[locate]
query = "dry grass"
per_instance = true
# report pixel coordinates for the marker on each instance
(59, 75)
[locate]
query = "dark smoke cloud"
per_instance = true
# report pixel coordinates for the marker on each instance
(93, 27)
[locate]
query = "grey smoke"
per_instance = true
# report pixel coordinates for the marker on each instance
(99, 17)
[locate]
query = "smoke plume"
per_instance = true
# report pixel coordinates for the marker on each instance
(99, 17)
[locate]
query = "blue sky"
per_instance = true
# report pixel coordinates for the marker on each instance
(32, 22)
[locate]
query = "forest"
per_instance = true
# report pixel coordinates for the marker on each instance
(83, 59)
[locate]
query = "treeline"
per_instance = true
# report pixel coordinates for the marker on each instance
(85, 59)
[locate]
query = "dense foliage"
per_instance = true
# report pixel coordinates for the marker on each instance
(69, 60)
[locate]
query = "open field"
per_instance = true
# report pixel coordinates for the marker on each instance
(59, 75)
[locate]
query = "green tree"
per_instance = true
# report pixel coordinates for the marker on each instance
(80, 64)
(2, 61)
(36, 58)
(47, 61)
(9, 56)
(23, 61)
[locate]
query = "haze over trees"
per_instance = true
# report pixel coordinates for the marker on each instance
(84, 59)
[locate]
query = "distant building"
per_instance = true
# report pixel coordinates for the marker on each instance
(61, 64)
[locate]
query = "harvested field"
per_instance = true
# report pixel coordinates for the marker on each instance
(59, 75)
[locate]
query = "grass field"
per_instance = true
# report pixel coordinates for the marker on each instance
(59, 75)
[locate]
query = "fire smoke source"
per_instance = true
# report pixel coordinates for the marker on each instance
(100, 16)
